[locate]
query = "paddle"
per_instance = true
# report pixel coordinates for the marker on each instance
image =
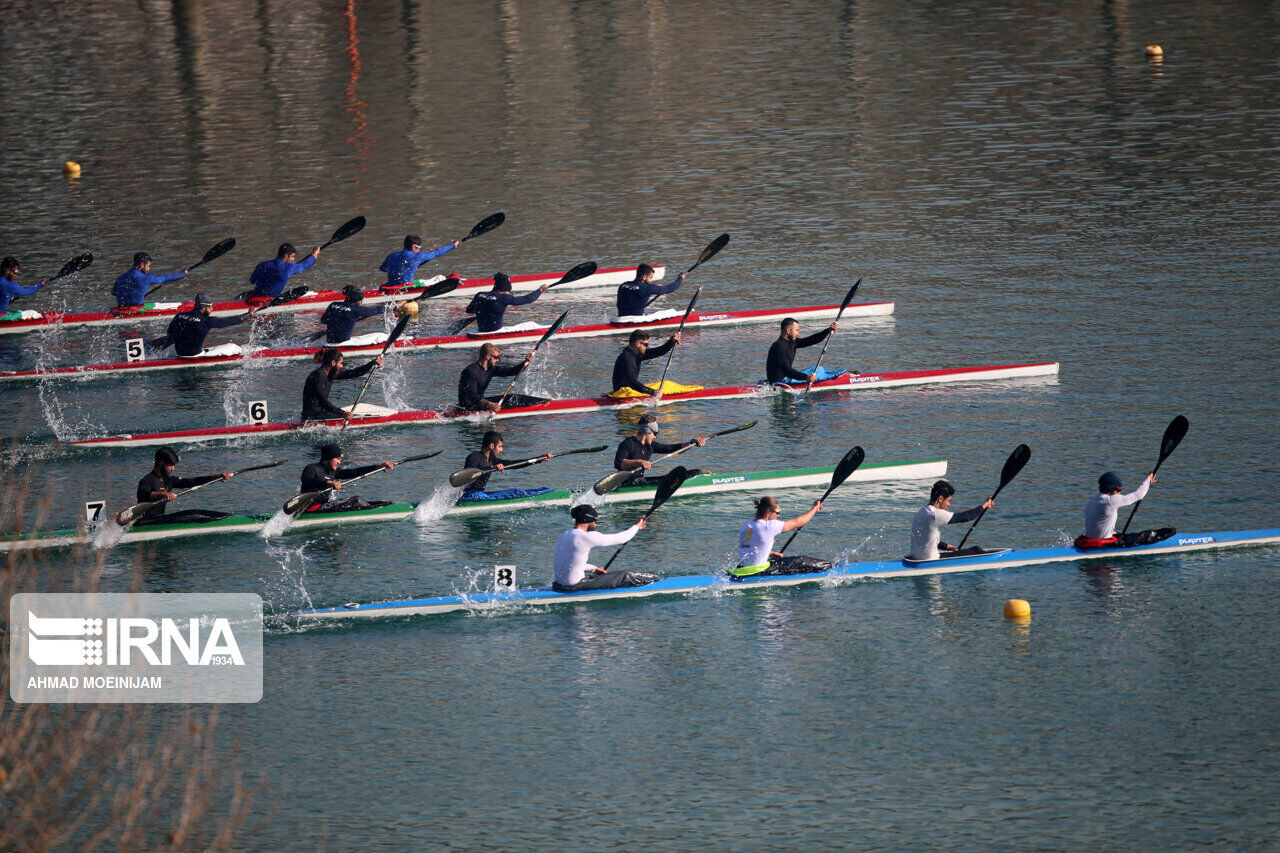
(298, 503)
(126, 517)
(666, 488)
(74, 265)
(467, 476)
(214, 253)
(1017, 459)
(440, 288)
(843, 305)
(347, 229)
(713, 249)
(694, 301)
(391, 339)
(607, 484)
(1173, 435)
(844, 468)
(484, 226)
(581, 271)
(555, 327)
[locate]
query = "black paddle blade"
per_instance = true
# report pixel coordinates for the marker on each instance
(260, 467)
(1173, 435)
(1020, 456)
(484, 226)
(667, 486)
(289, 295)
(847, 466)
(849, 297)
(297, 503)
(555, 327)
(74, 265)
(440, 288)
(217, 251)
(466, 476)
(732, 430)
(581, 271)
(420, 457)
(347, 229)
(713, 249)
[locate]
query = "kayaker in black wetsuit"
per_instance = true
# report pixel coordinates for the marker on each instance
(487, 457)
(328, 474)
(490, 306)
(340, 318)
(626, 369)
(635, 295)
(476, 376)
(188, 330)
(315, 394)
(160, 484)
(783, 352)
(635, 450)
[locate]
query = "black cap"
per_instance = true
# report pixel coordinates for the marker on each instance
(330, 451)
(583, 513)
(353, 293)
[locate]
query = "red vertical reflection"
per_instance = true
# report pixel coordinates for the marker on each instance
(360, 139)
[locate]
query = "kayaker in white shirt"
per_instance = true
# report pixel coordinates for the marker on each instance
(926, 527)
(573, 572)
(1102, 509)
(755, 543)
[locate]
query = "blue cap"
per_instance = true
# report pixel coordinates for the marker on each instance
(1108, 482)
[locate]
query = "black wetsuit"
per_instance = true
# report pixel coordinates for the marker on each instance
(340, 319)
(153, 482)
(632, 448)
(475, 379)
(315, 394)
(783, 353)
(316, 477)
(188, 330)
(477, 459)
(626, 370)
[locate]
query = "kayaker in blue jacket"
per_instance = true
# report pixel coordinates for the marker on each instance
(131, 289)
(9, 286)
(489, 306)
(635, 295)
(401, 266)
(270, 277)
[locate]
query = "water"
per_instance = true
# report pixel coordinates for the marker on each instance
(1020, 180)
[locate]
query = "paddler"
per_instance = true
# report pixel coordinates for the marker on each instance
(315, 394)
(635, 295)
(328, 473)
(160, 484)
(489, 457)
(783, 352)
(401, 266)
(270, 277)
(626, 369)
(340, 318)
(489, 306)
(755, 543)
(635, 450)
(926, 527)
(188, 330)
(573, 572)
(131, 289)
(477, 375)
(1101, 511)
(9, 286)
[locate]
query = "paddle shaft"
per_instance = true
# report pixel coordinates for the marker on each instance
(843, 470)
(311, 497)
(1019, 458)
(470, 475)
(670, 482)
(687, 311)
(848, 298)
(144, 507)
(542, 340)
(391, 339)
(74, 265)
(1173, 436)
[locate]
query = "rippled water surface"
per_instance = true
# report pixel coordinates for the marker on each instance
(1019, 179)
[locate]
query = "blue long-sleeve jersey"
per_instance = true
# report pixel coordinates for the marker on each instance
(340, 319)
(489, 307)
(10, 288)
(634, 295)
(270, 277)
(400, 266)
(131, 289)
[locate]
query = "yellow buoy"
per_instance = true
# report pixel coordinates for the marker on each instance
(1155, 50)
(71, 169)
(1016, 608)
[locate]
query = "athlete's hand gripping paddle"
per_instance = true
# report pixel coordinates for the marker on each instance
(607, 484)
(555, 327)
(74, 265)
(713, 249)
(391, 339)
(1017, 459)
(215, 252)
(666, 488)
(467, 476)
(484, 226)
(298, 503)
(126, 517)
(1173, 435)
(844, 468)
(843, 305)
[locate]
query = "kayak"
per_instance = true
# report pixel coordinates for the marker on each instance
(517, 599)
(843, 382)
(312, 300)
(701, 484)
(696, 320)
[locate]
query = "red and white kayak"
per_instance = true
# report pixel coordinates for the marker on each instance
(843, 382)
(593, 330)
(18, 322)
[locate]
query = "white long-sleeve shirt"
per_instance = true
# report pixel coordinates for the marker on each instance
(574, 546)
(1101, 510)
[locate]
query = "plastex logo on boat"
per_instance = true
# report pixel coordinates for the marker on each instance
(114, 648)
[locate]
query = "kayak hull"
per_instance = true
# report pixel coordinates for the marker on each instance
(843, 382)
(719, 583)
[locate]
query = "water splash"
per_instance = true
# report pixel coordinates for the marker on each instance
(434, 508)
(589, 498)
(107, 535)
(276, 525)
(235, 405)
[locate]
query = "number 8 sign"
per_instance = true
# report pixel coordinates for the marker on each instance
(504, 577)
